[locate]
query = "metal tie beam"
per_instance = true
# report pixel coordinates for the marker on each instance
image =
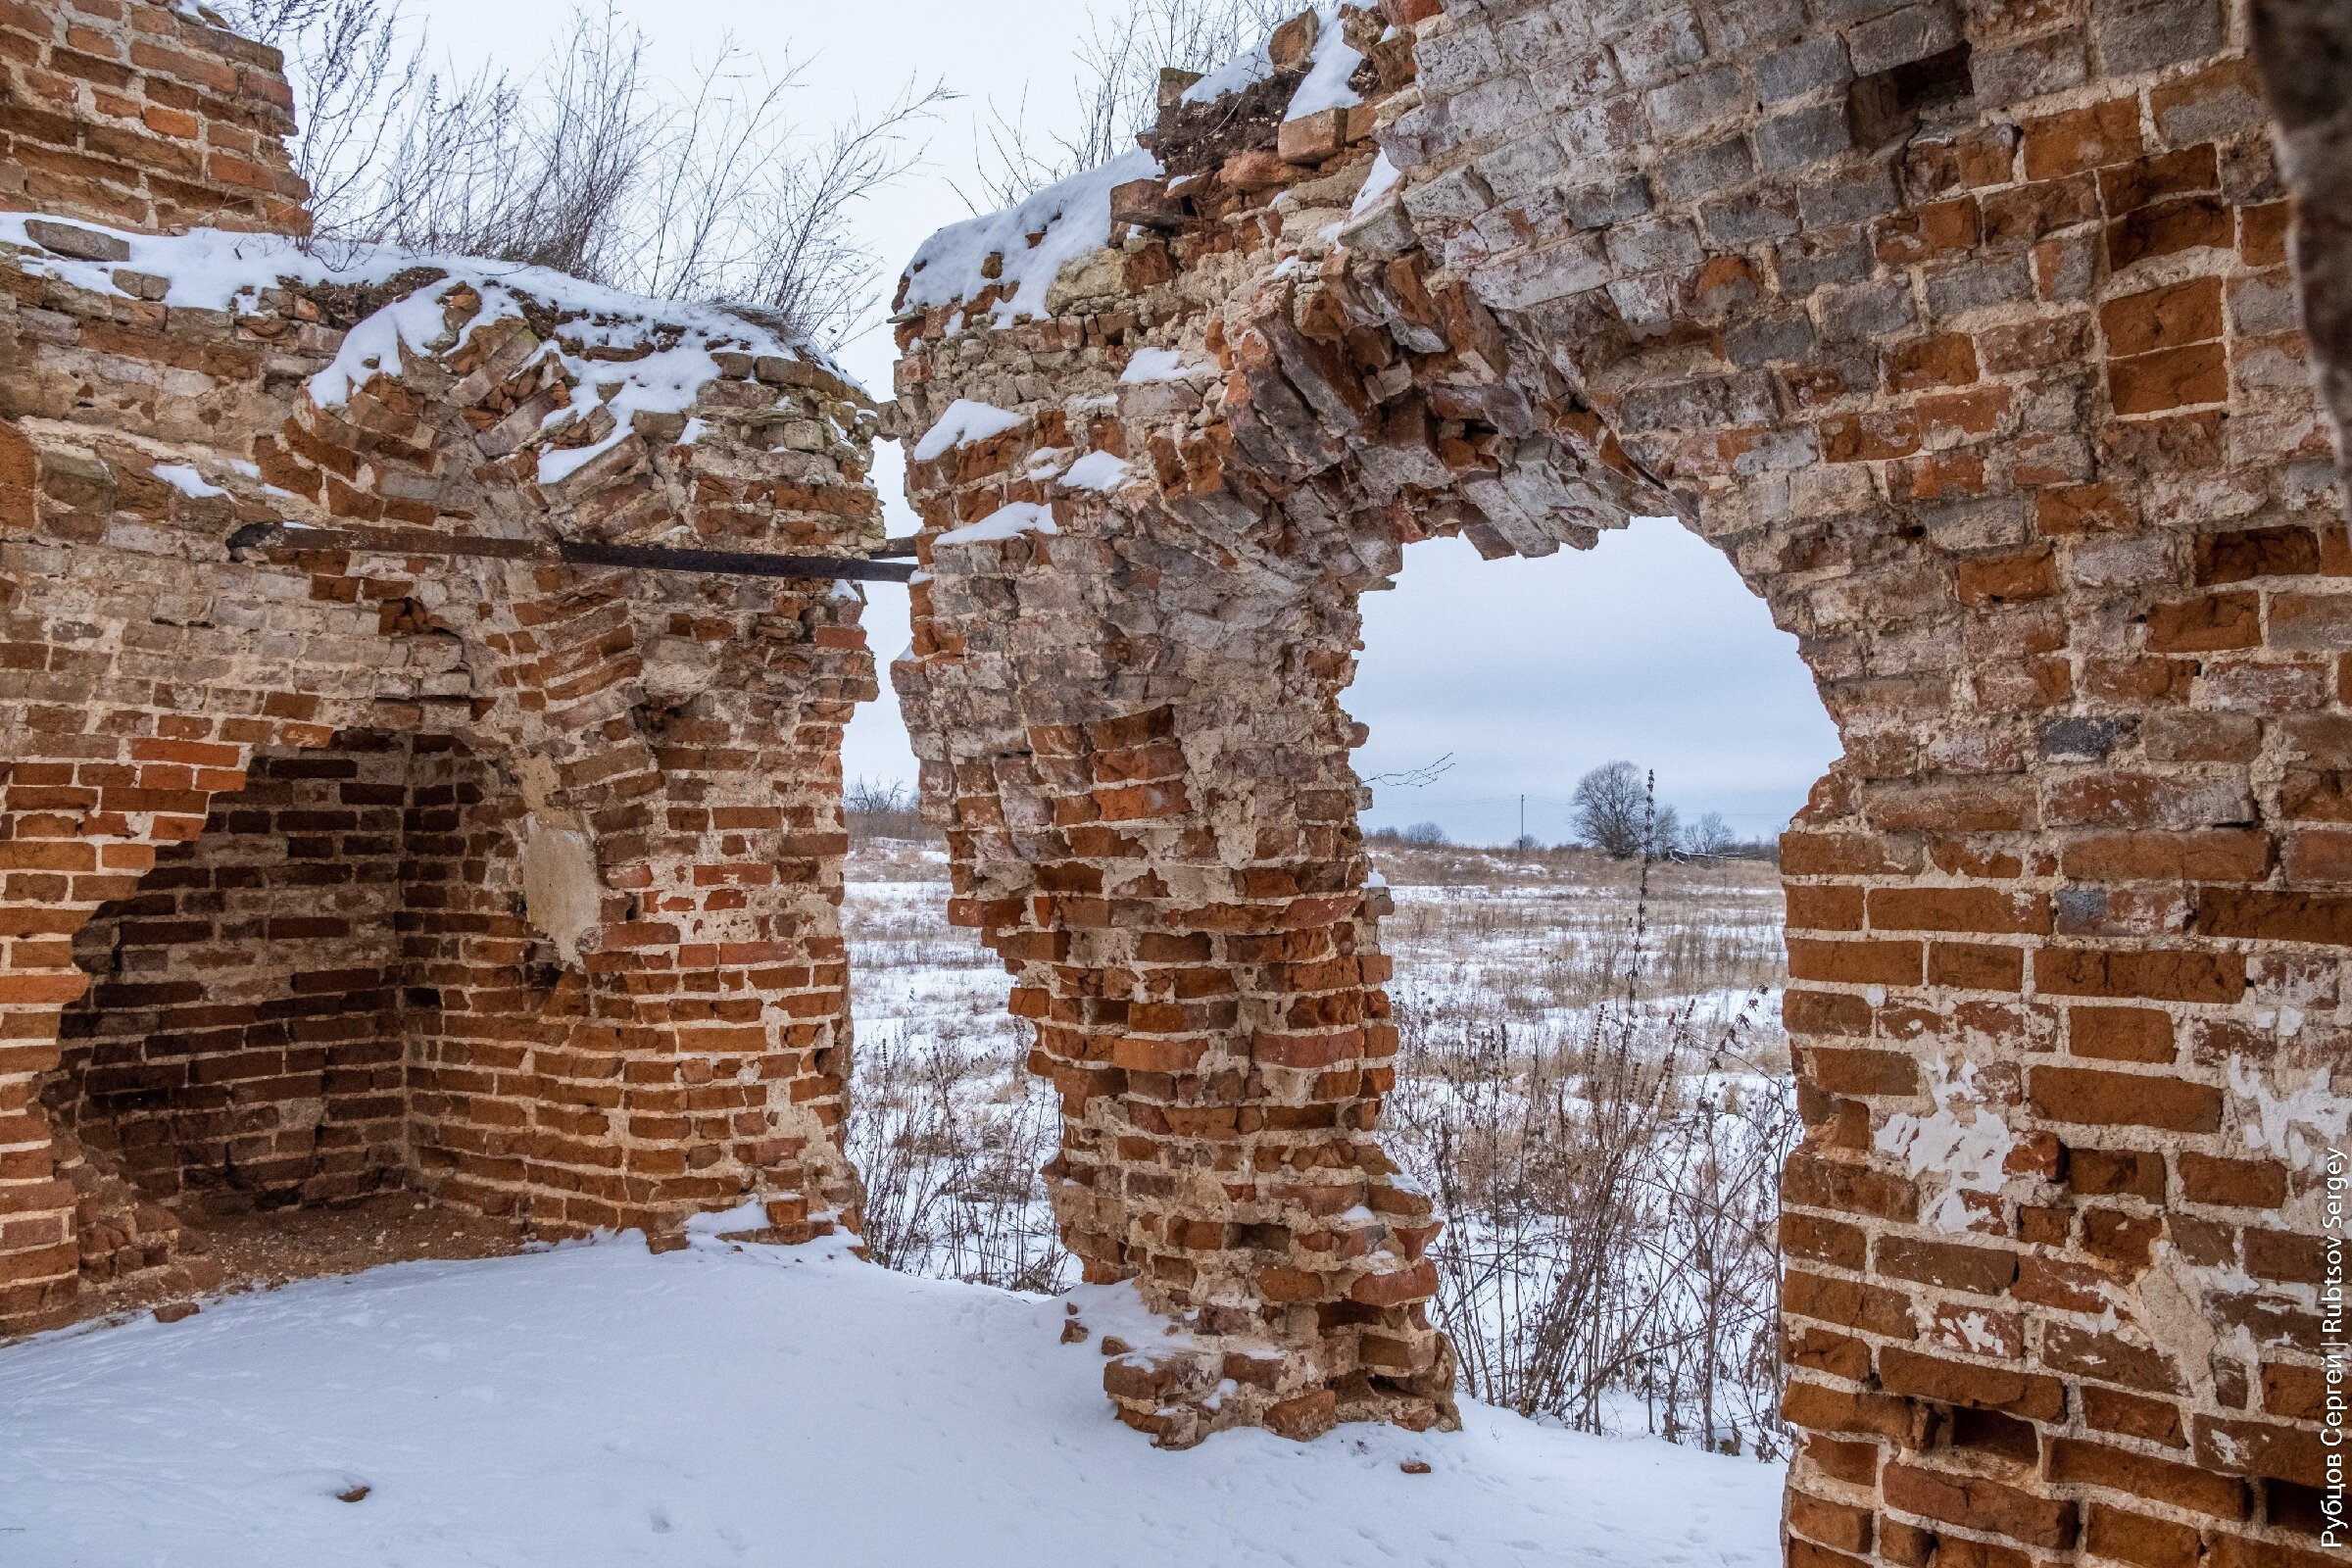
(566, 552)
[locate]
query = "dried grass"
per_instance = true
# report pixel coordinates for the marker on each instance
(1590, 1085)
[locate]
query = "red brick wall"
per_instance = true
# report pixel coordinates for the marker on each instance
(2005, 405)
(1968, 333)
(688, 730)
(682, 1043)
(274, 1008)
(136, 114)
(240, 1042)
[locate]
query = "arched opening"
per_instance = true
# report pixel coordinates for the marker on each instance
(948, 1125)
(1592, 1080)
(317, 1001)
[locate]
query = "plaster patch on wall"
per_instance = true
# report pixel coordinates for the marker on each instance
(2173, 1313)
(2297, 1123)
(1963, 1140)
(561, 895)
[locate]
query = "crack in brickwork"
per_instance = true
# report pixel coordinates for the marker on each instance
(1967, 331)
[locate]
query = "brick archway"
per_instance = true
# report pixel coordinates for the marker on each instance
(1967, 333)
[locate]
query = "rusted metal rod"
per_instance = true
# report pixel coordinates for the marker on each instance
(730, 562)
(566, 552)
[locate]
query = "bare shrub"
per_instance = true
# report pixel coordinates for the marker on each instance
(590, 163)
(1609, 1195)
(354, 78)
(1588, 1085)
(951, 1149)
(881, 808)
(1116, 88)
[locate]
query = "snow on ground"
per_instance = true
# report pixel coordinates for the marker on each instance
(593, 1406)
(597, 1406)
(911, 971)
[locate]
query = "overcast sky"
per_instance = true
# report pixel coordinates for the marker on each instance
(1527, 672)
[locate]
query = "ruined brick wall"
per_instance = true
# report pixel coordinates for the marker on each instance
(674, 743)
(1968, 333)
(144, 112)
(246, 1040)
(596, 977)
(1139, 616)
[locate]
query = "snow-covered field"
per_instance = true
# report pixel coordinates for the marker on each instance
(595, 1406)
(1612, 1269)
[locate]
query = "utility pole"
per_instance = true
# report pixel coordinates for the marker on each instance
(1521, 846)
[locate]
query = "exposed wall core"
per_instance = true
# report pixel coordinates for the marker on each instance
(1968, 331)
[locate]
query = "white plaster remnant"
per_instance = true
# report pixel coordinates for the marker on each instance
(1964, 1141)
(561, 895)
(563, 892)
(2296, 1114)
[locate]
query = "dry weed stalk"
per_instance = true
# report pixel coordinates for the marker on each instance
(950, 1149)
(1610, 1195)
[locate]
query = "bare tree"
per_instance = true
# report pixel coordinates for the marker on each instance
(1116, 90)
(1666, 836)
(881, 808)
(591, 164)
(1608, 809)
(1709, 837)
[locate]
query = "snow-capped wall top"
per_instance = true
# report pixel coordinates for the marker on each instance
(1245, 70)
(217, 271)
(1329, 67)
(1018, 252)
(963, 423)
(1031, 242)
(209, 268)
